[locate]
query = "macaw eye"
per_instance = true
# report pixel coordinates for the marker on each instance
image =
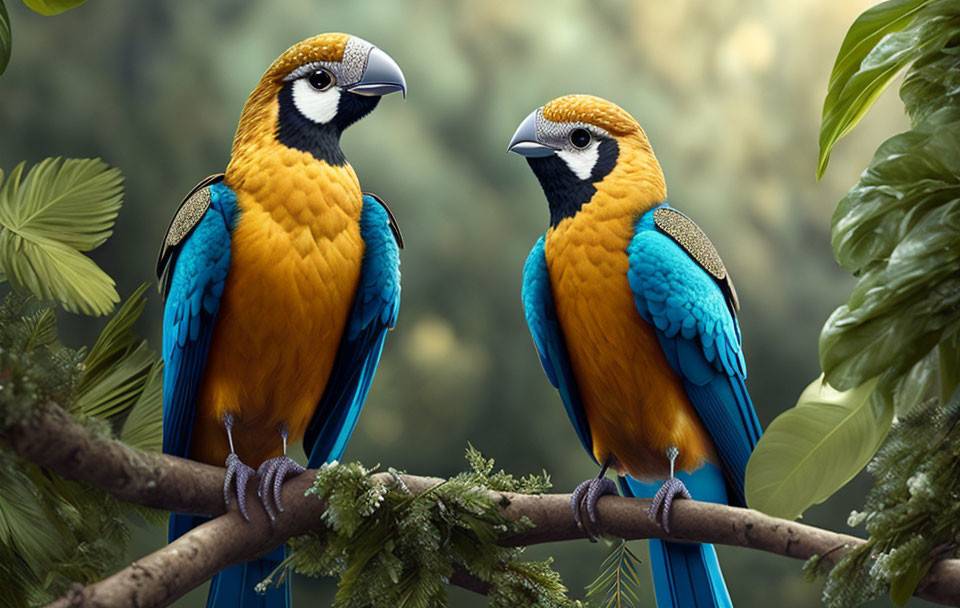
(580, 138)
(321, 80)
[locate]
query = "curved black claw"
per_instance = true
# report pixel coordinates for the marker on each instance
(587, 494)
(663, 500)
(240, 472)
(272, 474)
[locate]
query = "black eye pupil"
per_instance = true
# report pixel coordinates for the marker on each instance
(319, 80)
(580, 138)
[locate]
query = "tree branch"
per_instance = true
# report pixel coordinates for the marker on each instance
(54, 439)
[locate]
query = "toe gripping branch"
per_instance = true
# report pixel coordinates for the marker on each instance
(272, 473)
(671, 489)
(586, 496)
(238, 474)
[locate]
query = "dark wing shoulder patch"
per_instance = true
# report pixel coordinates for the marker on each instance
(394, 226)
(192, 209)
(694, 241)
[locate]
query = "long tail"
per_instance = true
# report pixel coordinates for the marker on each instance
(686, 575)
(234, 587)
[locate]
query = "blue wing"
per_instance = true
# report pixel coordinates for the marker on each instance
(541, 316)
(198, 270)
(700, 336)
(374, 312)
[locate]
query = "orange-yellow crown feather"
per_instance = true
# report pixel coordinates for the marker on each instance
(324, 47)
(593, 111)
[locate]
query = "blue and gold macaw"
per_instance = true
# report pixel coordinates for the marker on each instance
(280, 280)
(635, 320)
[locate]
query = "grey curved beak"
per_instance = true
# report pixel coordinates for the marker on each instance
(524, 141)
(382, 76)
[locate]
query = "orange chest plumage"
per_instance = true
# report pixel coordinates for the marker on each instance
(296, 254)
(634, 401)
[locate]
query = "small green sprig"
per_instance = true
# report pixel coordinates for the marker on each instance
(393, 548)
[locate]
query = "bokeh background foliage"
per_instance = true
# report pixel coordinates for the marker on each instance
(729, 92)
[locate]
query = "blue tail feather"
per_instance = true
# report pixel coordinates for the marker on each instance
(686, 575)
(234, 587)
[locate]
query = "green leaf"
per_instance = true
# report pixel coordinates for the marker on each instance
(143, 427)
(24, 523)
(874, 50)
(41, 328)
(910, 175)
(812, 450)
(6, 40)
(618, 585)
(52, 7)
(61, 208)
(118, 367)
(903, 586)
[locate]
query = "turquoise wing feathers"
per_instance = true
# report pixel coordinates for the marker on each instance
(547, 335)
(193, 268)
(374, 312)
(698, 331)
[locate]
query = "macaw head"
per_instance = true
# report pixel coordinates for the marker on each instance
(579, 145)
(314, 91)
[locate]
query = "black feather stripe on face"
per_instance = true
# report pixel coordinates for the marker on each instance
(566, 193)
(296, 131)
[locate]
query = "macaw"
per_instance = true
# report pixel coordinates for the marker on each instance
(280, 280)
(634, 317)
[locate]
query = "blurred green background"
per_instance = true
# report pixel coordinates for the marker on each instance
(729, 92)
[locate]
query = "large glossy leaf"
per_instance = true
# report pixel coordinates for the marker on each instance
(901, 308)
(52, 7)
(812, 450)
(910, 174)
(5, 40)
(881, 42)
(61, 208)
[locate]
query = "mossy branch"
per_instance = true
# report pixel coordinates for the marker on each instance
(45, 434)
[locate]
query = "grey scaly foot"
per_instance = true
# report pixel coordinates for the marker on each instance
(587, 494)
(236, 472)
(663, 499)
(272, 473)
(240, 472)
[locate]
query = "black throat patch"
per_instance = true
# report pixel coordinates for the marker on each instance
(294, 130)
(566, 192)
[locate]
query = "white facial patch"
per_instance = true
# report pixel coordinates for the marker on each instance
(581, 162)
(318, 106)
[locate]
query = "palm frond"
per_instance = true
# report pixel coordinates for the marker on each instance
(118, 366)
(618, 585)
(41, 326)
(61, 208)
(143, 427)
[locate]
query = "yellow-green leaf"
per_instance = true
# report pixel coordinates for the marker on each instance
(52, 7)
(61, 208)
(812, 450)
(143, 427)
(902, 587)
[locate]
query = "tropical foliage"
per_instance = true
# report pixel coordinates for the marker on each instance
(54, 531)
(897, 231)
(393, 549)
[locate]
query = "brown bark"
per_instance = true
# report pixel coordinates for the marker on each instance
(54, 439)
